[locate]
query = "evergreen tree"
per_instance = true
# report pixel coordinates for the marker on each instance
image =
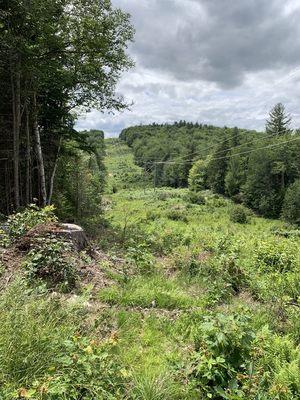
(198, 176)
(291, 205)
(234, 176)
(217, 167)
(278, 122)
(235, 141)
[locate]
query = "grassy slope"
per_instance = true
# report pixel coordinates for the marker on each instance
(199, 263)
(185, 294)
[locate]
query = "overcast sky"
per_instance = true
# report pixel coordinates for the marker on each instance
(224, 62)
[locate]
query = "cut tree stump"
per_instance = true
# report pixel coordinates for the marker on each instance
(70, 232)
(75, 234)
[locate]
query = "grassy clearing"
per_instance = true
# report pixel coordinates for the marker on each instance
(199, 307)
(195, 259)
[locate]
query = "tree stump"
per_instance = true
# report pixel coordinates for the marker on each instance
(75, 234)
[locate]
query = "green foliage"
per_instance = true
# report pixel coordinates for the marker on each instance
(275, 256)
(50, 358)
(250, 167)
(51, 263)
(21, 222)
(238, 214)
(70, 60)
(270, 171)
(80, 182)
(195, 198)
(193, 309)
(154, 292)
(182, 142)
(85, 369)
(31, 326)
(139, 255)
(217, 167)
(291, 204)
(278, 122)
(153, 388)
(177, 215)
(222, 355)
(236, 175)
(4, 238)
(198, 176)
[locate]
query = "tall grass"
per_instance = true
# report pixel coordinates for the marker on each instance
(32, 333)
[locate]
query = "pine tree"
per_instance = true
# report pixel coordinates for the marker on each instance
(278, 122)
(217, 167)
(235, 140)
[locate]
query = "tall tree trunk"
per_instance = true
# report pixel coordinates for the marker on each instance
(53, 174)
(39, 153)
(16, 111)
(28, 160)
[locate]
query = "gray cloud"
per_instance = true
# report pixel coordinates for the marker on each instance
(214, 40)
(224, 62)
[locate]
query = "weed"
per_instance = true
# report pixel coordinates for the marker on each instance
(51, 262)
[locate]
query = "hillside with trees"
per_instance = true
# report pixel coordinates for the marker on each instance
(254, 168)
(160, 265)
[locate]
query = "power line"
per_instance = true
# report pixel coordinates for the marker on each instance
(234, 147)
(234, 155)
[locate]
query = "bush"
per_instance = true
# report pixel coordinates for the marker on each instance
(177, 215)
(222, 355)
(238, 215)
(20, 223)
(139, 255)
(195, 198)
(275, 256)
(291, 204)
(4, 238)
(51, 263)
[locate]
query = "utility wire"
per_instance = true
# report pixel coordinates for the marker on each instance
(234, 155)
(233, 147)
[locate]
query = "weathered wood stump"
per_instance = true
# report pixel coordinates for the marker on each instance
(75, 234)
(70, 232)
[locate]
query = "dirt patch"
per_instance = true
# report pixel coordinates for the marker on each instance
(34, 235)
(204, 256)
(92, 266)
(11, 261)
(97, 272)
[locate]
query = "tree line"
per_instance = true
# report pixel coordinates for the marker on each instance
(259, 169)
(57, 59)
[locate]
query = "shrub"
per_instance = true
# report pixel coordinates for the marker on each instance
(291, 204)
(192, 263)
(51, 262)
(222, 355)
(238, 215)
(280, 362)
(195, 198)
(177, 215)
(275, 256)
(138, 254)
(22, 222)
(232, 273)
(152, 215)
(4, 238)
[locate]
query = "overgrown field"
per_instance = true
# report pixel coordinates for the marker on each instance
(200, 301)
